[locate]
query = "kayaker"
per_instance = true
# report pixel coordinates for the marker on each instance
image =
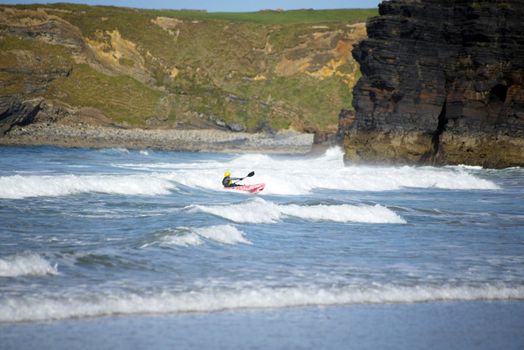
(228, 181)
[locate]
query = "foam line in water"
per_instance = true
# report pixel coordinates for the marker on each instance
(26, 264)
(262, 211)
(17, 186)
(185, 236)
(46, 307)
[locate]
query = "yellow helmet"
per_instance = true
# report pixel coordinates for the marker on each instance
(227, 173)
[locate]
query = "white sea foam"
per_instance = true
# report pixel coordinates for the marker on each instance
(17, 186)
(183, 239)
(258, 210)
(113, 150)
(26, 264)
(282, 176)
(226, 234)
(344, 213)
(73, 305)
(464, 166)
(294, 176)
(185, 236)
(300, 175)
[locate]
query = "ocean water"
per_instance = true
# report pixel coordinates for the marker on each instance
(120, 249)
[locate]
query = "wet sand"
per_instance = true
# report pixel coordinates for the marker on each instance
(445, 325)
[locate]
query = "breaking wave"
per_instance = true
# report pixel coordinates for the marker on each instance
(185, 236)
(266, 212)
(17, 186)
(302, 175)
(43, 308)
(26, 264)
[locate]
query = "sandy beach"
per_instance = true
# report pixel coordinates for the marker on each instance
(177, 140)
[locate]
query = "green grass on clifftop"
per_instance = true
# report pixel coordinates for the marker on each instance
(269, 16)
(277, 17)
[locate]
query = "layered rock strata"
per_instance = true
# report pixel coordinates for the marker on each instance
(442, 83)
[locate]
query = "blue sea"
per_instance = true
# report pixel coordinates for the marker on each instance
(127, 249)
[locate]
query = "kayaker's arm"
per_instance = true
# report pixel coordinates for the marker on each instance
(235, 179)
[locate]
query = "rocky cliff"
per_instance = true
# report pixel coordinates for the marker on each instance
(442, 83)
(270, 70)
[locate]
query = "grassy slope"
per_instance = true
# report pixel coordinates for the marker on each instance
(216, 58)
(36, 57)
(122, 98)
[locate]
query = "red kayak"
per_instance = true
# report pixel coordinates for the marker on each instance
(248, 188)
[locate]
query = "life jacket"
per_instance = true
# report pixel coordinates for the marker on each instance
(226, 181)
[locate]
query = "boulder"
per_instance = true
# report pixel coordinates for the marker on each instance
(15, 111)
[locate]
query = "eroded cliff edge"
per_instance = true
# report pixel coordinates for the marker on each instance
(442, 83)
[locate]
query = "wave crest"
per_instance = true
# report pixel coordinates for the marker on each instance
(184, 236)
(265, 212)
(18, 186)
(26, 264)
(42, 308)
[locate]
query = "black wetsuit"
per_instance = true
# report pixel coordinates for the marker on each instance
(228, 181)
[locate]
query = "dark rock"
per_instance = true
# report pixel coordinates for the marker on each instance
(236, 99)
(265, 127)
(236, 127)
(15, 111)
(346, 118)
(321, 137)
(437, 75)
(220, 123)
(216, 121)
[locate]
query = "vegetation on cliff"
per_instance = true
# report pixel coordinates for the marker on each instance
(164, 69)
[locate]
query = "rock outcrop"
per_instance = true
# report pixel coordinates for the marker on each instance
(14, 111)
(442, 83)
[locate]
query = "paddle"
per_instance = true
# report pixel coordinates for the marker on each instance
(242, 178)
(248, 175)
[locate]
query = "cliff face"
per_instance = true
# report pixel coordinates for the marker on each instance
(442, 82)
(176, 69)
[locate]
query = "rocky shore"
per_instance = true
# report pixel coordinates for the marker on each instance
(173, 139)
(442, 83)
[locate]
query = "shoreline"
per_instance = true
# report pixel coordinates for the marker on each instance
(400, 326)
(202, 140)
